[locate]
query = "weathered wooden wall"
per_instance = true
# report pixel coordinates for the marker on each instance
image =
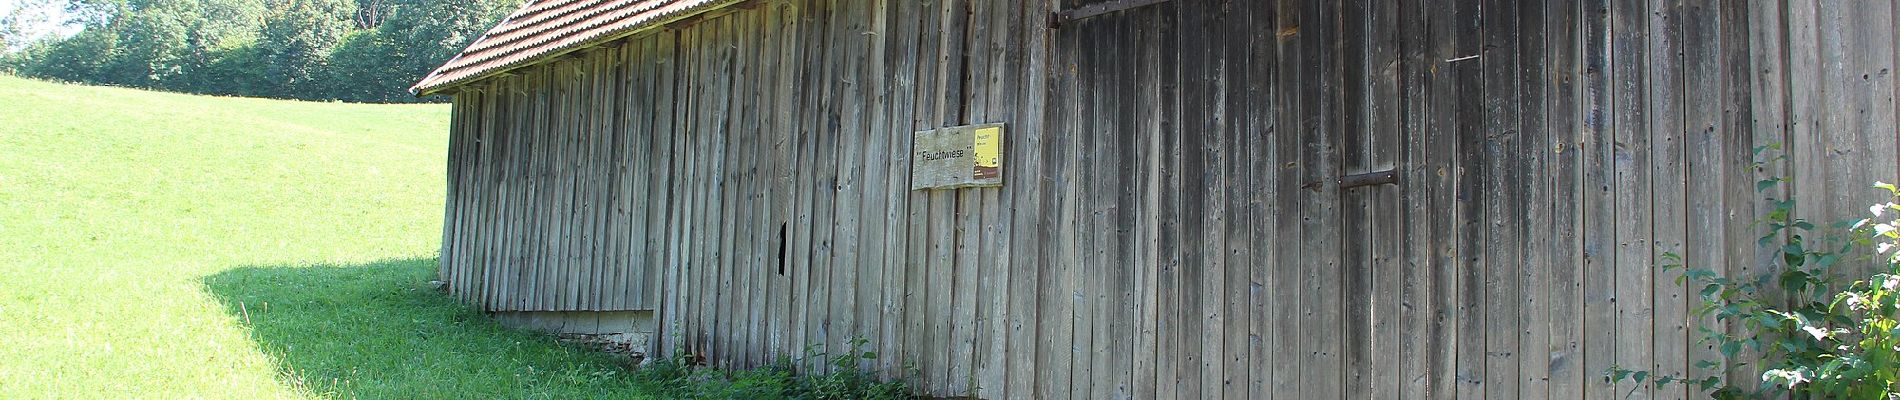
(1170, 225)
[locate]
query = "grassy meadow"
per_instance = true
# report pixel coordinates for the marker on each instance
(157, 245)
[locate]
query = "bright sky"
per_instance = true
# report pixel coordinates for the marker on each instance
(48, 18)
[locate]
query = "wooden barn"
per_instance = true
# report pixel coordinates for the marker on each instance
(1241, 199)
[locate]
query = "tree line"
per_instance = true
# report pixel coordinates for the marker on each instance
(349, 50)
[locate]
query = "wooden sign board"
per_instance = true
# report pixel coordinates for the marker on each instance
(957, 157)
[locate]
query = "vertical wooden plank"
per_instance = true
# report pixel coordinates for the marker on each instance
(1859, 47)
(1442, 141)
(613, 218)
(1319, 163)
(1149, 157)
(1419, 369)
(941, 107)
(573, 202)
(635, 109)
(1534, 209)
(1112, 192)
(548, 129)
(686, 189)
(785, 191)
(624, 158)
(1807, 130)
(1026, 179)
(879, 189)
(692, 187)
(1385, 142)
(1213, 149)
(448, 263)
(1631, 166)
(494, 283)
(898, 294)
(1356, 206)
(1705, 194)
(645, 109)
(917, 243)
(1237, 214)
(743, 134)
(532, 145)
(533, 107)
(825, 138)
(1262, 88)
(502, 289)
(482, 250)
(1291, 106)
(1056, 315)
(1092, 192)
(1761, 29)
(1120, 305)
(474, 208)
(587, 220)
(467, 188)
(1471, 185)
(1504, 196)
(572, 276)
(1886, 149)
(1171, 346)
(1599, 210)
(710, 135)
(999, 87)
(554, 261)
(1201, 254)
(950, 209)
(660, 220)
(744, 259)
(463, 278)
(717, 136)
(851, 137)
(682, 128)
(753, 258)
(609, 223)
(811, 52)
(973, 205)
(596, 142)
(1668, 199)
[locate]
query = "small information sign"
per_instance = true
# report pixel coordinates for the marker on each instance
(957, 157)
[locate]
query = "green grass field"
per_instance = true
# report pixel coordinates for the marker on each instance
(157, 245)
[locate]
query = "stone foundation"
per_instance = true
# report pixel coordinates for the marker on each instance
(621, 332)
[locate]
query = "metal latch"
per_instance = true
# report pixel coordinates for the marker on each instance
(1386, 177)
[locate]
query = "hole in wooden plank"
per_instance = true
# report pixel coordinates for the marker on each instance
(781, 249)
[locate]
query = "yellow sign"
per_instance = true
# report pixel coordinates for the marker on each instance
(989, 149)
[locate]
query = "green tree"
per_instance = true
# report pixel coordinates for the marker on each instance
(355, 50)
(418, 36)
(296, 41)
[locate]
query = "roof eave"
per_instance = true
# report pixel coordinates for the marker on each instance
(425, 88)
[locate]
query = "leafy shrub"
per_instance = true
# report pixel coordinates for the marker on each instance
(1821, 339)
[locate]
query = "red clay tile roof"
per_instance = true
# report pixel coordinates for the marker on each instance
(545, 28)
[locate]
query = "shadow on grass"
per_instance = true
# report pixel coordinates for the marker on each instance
(377, 330)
